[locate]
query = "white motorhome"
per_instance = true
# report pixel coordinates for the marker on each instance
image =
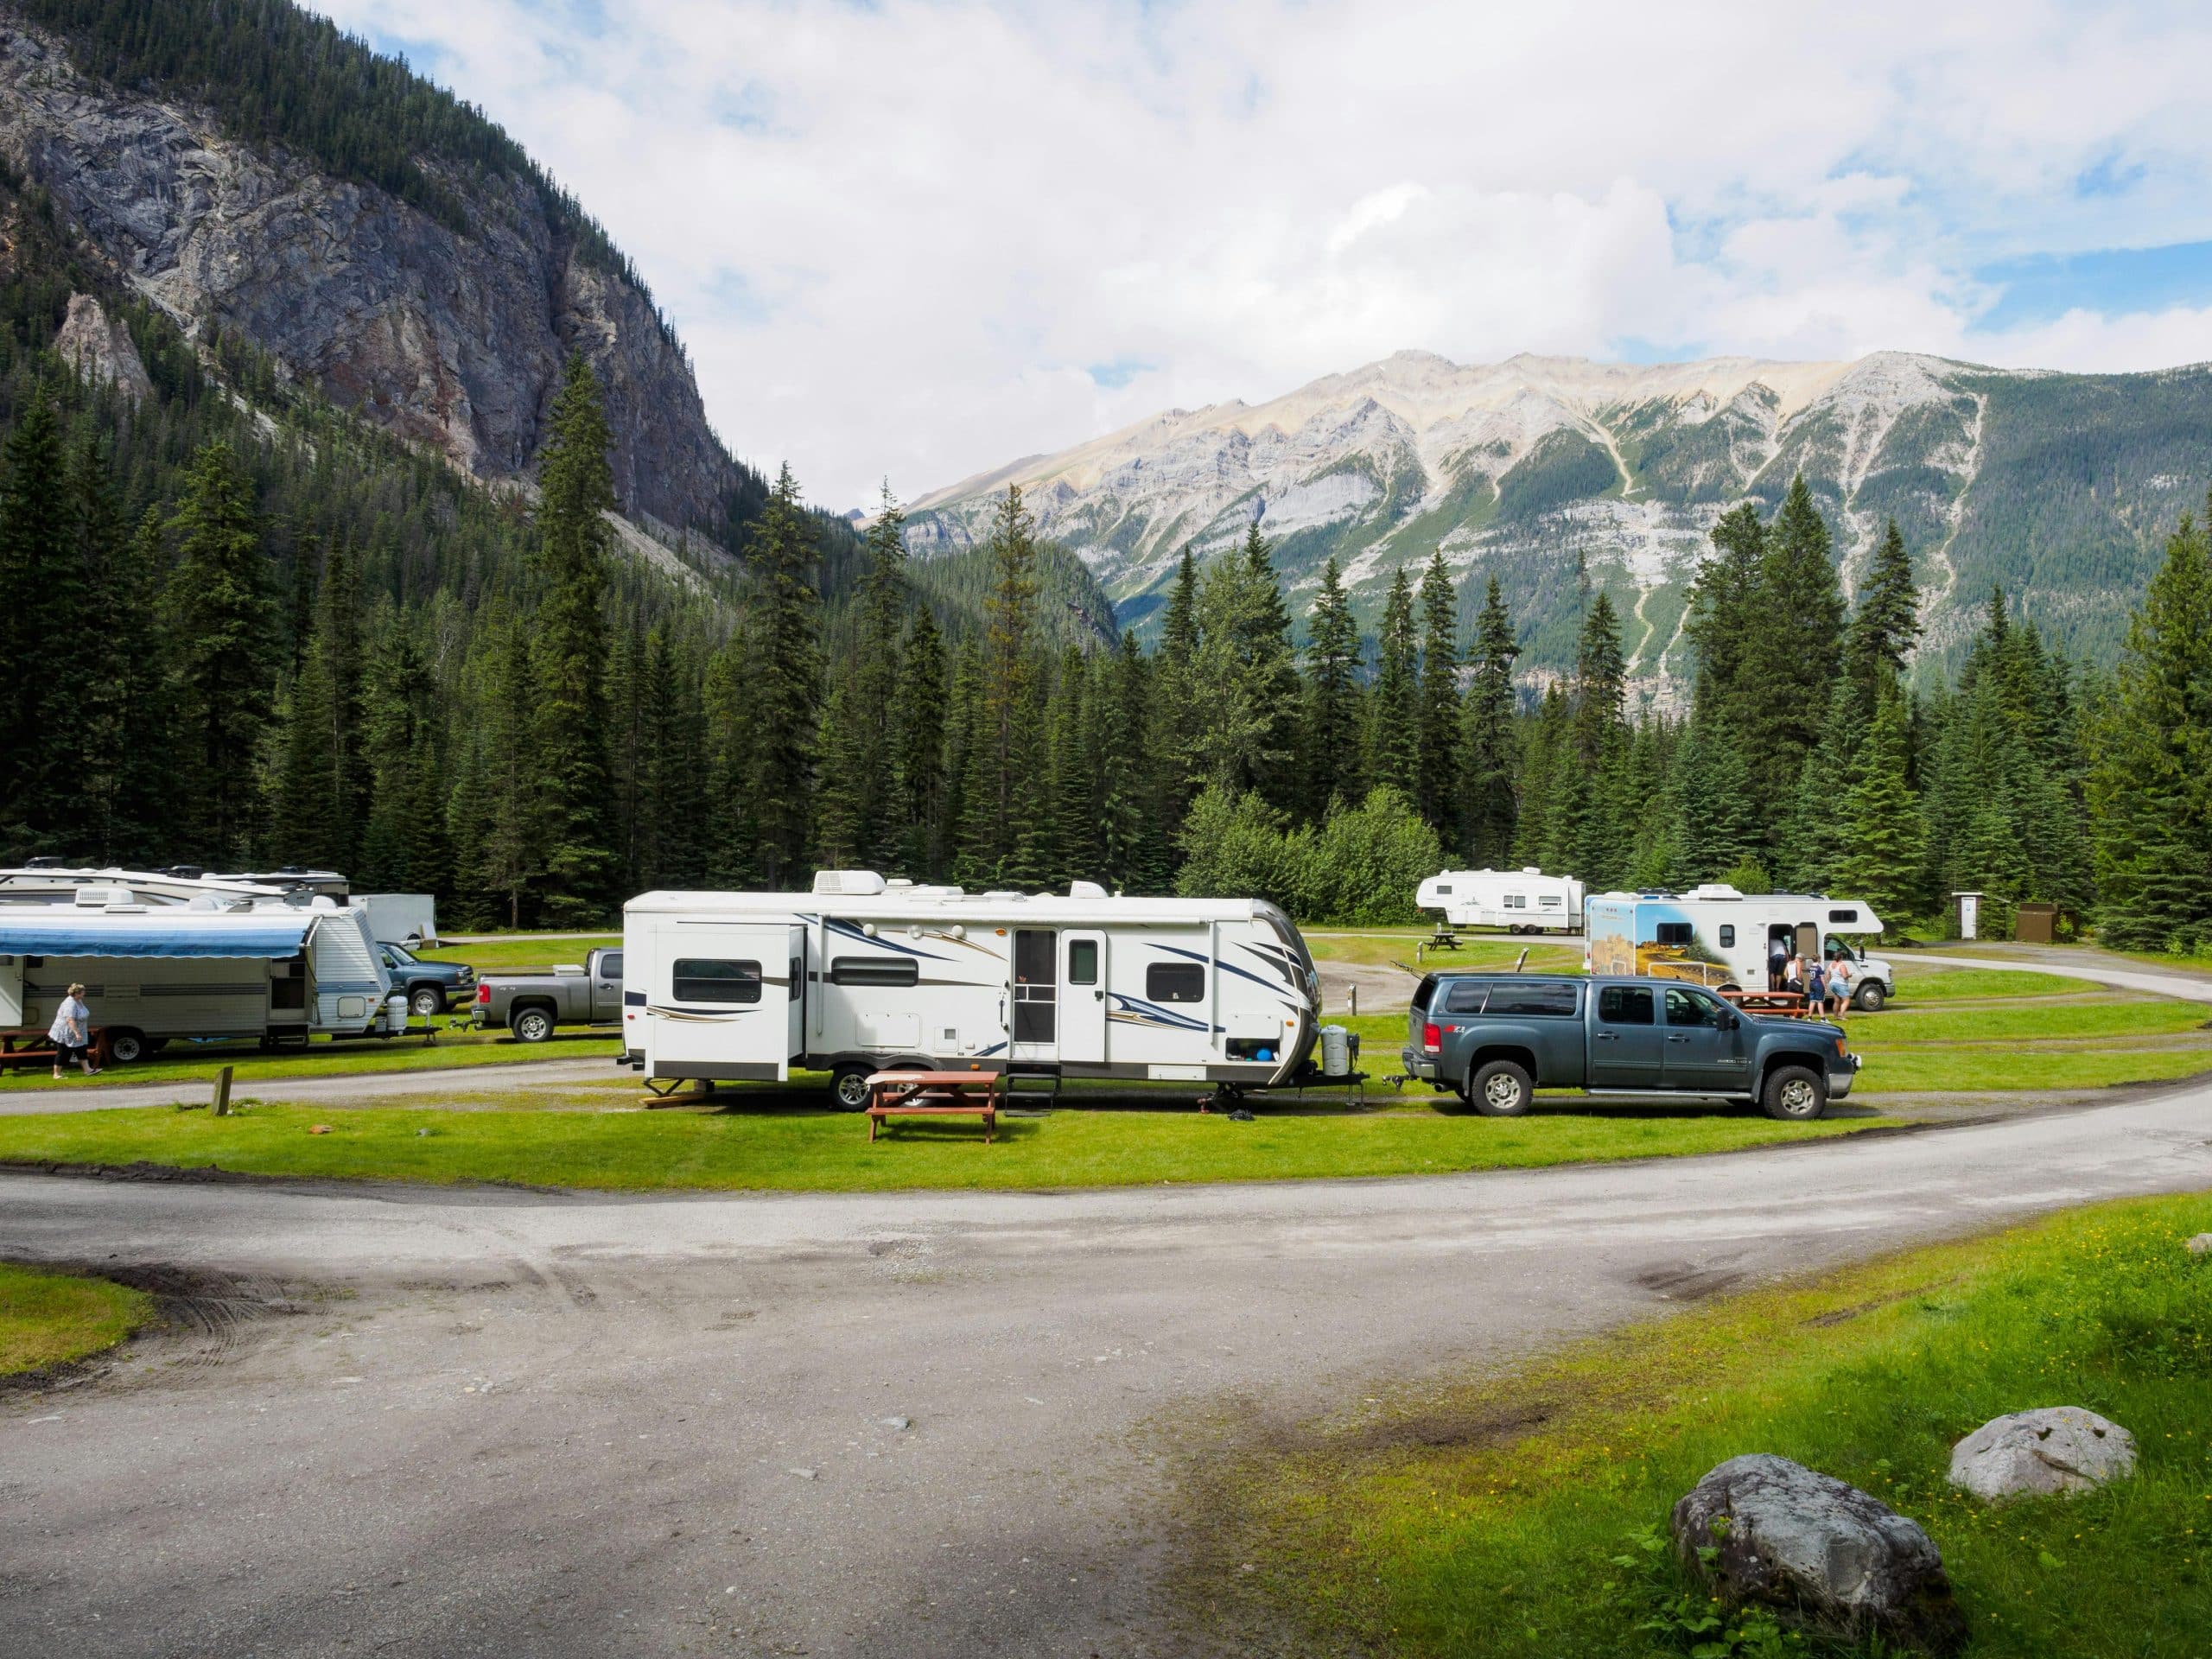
(1719, 936)
(272, 970)
(864, 974)
(1520, 901)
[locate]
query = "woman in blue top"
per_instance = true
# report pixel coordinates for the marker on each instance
(1816, 988)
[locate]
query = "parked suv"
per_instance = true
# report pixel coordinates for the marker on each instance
(430, 986)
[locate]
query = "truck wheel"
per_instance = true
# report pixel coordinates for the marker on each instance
(126, 1046)
(1500, 1089)
(848, 1087)
(532, 1025)
(1869, 997)
(426, 1001)
(1794, 1094)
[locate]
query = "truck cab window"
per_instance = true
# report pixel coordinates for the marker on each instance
(1626, 1005)
(610, 965)
(699, 979)
(1688, 1008)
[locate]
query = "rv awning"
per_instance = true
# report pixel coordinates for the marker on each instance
(268, 938)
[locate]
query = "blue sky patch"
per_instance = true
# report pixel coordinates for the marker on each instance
(1113, 376)
(2114, 282)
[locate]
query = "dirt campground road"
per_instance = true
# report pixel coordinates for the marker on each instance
(435, 1423)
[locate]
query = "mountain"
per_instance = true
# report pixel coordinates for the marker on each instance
(252, 173)
(1543, 470)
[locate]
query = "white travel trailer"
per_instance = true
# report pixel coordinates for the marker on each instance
(1520, 901)
(864, 974)
(408, 918)
(1717, 936)
(275, 972)
(48, 881)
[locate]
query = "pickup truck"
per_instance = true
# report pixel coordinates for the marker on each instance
(1495, 1038)
(430, 985)
(530, 1005)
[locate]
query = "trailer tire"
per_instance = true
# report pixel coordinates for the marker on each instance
(1869, 997)
(849, 1086)
(1501, 1089)
(126, 1046)
(1794, 1094)
(531, 1025)
(426, 1001)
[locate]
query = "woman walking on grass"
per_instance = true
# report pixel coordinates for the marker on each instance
(71, 1033)
(1839, 984)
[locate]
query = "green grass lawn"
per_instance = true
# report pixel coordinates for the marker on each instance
(1917, 984)
(49, 1319)
(508, 956)
(1484, 952)
(198, 1063)
(790, 1148)
(1520, 1514)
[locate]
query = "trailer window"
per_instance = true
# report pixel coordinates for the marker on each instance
(1552, 900)
(1175, 982)
(1672, 933)
(1626, 1005)
(702, 979)
(1560, 1002)
(1845, 917)
(1517, 902)
(1728, 935)
(874, 970)
(1444, 889)
(1465, 997)
(1082, 961)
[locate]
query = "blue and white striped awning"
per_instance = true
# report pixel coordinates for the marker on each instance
(181, 934)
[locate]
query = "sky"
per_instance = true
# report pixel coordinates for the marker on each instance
(916, 239)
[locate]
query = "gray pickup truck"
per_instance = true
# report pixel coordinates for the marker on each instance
(1495, 1038)
(531, 1005)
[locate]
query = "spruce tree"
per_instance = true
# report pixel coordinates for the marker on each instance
(224, 627)
(1133, 848)
(42, 587)
(1886, 623)
(1242, 678)
(782, 700)
(1881, 851)
(918, 727)
(1174, 718)
(1332, 743)
(1436, 782)
(1008, 748)
(1394, 736)
(1074, 779)
(875, 684)
(509, 768)
(1725, 615)
(127, 727)
(578, 874)
(1489, 757)
(1796, 649)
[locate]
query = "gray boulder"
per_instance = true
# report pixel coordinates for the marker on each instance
(2201, 1245)
(2035, 1453)
(1818, 1550)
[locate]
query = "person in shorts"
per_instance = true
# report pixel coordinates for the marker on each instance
(1816, 988)
(71, 1033)
(1839, 984)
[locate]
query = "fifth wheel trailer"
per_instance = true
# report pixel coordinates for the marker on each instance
(1520, 901)
(864, 974)
(274, 972)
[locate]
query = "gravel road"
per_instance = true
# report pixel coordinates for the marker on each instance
(421, 1422)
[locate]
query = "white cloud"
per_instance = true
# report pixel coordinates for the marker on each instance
(897, 237)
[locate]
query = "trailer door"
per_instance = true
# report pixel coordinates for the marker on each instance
(1082, 997)
(1036, 995)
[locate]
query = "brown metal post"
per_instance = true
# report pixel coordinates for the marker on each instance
(222, 1106)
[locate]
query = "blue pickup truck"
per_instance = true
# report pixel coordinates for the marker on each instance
(1495, 1038)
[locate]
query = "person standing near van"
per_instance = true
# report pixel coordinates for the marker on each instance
(71, 1033)
(1777, 964)
(1839, 984)
(1816, 987)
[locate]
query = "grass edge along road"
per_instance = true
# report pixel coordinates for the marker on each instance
(785, 1149)
(51, 1318)
(1526, 1514)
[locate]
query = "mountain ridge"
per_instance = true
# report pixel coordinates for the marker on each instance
(1548, 471)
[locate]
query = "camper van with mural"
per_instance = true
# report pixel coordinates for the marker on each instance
(1716, 936)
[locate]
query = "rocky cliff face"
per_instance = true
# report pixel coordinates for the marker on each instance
(453, 342)
(1542, 470)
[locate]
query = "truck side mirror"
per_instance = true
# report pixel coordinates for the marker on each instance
(1729, 1020)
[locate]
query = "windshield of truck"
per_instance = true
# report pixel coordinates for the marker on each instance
(400, 953)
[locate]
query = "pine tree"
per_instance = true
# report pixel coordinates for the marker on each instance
(1132, 848)
(875, 684)
(1436, 790)
(840, 811)
(1332, 743)
(1886, 623)
(1174, 718)
(1725, 611)
(784, 694)
(1796, 648)
(918, 726)
(510, 846)
(1008, 751)
(1394, 736)
(1600, 680)
(578, 875)
(1242, 678)
(1489, 759)
(1715, 822)
(1882, 851)
(39, 579)
(1271, 663)
(125, 715)
(1074, 781)
(224, 625)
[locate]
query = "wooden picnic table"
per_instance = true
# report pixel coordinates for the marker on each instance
(29, 1046)
(934, 1094)
(1789, 1003)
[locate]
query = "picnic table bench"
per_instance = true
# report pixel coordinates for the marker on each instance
(934, 1094)
(1789, 1003)
(29, 1046)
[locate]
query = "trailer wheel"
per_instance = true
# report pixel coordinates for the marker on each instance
(531, 1025)
(126, 1046)
(426, 1001)
(1869, 997)
(849, 1086)
(1794, 1094)
(1500, 1089)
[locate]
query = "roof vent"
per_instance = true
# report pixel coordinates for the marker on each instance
(850, 883)
(1085, 890)
(1004, 892)
(100, 897)
(899, 884)
(1714, 890)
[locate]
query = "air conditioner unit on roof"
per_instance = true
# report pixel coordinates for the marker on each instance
(1715, 890)
(848, 883)
(1085, 890)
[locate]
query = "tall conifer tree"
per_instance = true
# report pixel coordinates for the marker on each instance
(1332, 745)
(782, 695)
(1436, 784)
(1393, 739)
(1488, 753)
